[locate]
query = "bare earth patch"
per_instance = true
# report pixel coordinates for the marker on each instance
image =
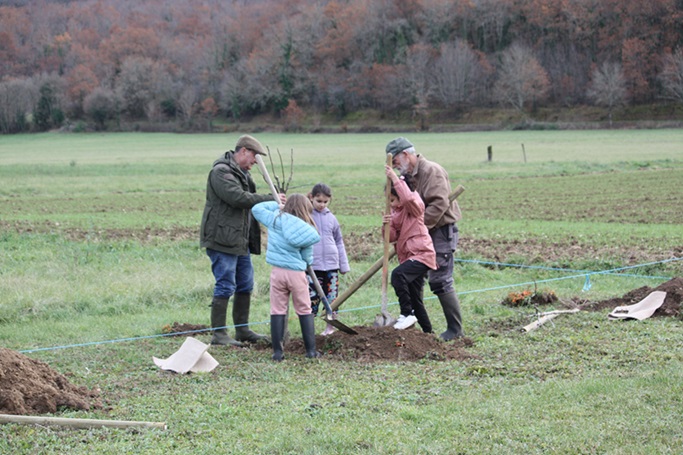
(362, 246)
(670, 308)
(184, 329)
(371, 344)
(568, 251)
(382, 344)
(30, 386)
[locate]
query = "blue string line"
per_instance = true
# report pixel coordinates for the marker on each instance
(120, 340)
(538, 267)
(585, 274)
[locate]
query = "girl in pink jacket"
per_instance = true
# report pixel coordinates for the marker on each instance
(414, 249)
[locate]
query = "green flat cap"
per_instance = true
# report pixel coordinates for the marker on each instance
(251, 143)
(398, 145)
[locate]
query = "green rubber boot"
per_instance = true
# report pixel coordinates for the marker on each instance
(219, 308)
(451, 309)
(308, 334)
(277, 333)
(240, 316)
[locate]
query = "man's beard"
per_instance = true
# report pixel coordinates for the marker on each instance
(403, 166)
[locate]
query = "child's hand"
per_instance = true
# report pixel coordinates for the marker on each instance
(386, 219)
(390, 173)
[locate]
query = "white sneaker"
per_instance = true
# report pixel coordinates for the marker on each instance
(404, 322)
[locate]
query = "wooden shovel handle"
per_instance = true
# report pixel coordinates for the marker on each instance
(387, 234)
(266, 177)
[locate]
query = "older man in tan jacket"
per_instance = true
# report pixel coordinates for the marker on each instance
(440, 217)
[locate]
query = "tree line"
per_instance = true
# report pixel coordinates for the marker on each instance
(101, 63)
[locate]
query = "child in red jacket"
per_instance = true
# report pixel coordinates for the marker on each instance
(414, 249)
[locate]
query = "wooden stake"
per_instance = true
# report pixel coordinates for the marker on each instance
(539, 322)
(547, 313)
(78, 423)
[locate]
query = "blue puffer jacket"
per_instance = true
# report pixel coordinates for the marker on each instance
(290, 239)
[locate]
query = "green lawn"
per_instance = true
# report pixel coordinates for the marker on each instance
(99, 250)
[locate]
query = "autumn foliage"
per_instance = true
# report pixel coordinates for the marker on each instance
(161, 60)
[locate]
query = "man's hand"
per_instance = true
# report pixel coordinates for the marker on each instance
(281, 198)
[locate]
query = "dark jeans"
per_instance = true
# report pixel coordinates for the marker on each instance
(408, 282)
(232, 273)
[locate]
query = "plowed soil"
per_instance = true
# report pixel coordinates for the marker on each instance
(670, 308)
(385, 344)
(371, 344)
(30, 386)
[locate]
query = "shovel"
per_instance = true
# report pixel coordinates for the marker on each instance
(264, 173)
(266, 177)
(385, 319)
(318, 288)
(350, 290)
(329, 316)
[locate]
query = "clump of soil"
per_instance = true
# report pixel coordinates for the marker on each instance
(181, 329)
(528, 298)
(383, 344)
(30, 386)
(670, 308)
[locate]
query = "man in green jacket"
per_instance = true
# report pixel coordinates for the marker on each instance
(230, 235)
(440, 217)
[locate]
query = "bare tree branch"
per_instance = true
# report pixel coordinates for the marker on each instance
(280, 185)
(272, 167)
(291, 168)
(282, 169)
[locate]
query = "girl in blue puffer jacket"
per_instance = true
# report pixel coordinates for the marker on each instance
(291, 236)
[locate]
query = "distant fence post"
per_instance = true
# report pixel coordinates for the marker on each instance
(489, 152)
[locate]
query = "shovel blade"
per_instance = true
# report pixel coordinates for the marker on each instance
(384, 320)
(341, 326)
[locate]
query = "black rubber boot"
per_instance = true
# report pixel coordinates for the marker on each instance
(277, 333)
(451, 309)
(219, 307)
(240, 316)
(308, 334)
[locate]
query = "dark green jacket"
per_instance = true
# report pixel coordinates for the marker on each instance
(227, 223)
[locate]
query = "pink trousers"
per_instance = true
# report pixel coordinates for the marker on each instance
(285, 282)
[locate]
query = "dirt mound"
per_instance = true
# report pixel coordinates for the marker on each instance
(670, 308)
(383, 344)
(30, 386)
(183, 329)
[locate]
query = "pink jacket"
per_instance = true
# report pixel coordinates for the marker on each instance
(408, 229)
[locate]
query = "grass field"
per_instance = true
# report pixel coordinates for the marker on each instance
(99, 250)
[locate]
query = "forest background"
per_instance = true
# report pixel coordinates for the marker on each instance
(361, 65)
